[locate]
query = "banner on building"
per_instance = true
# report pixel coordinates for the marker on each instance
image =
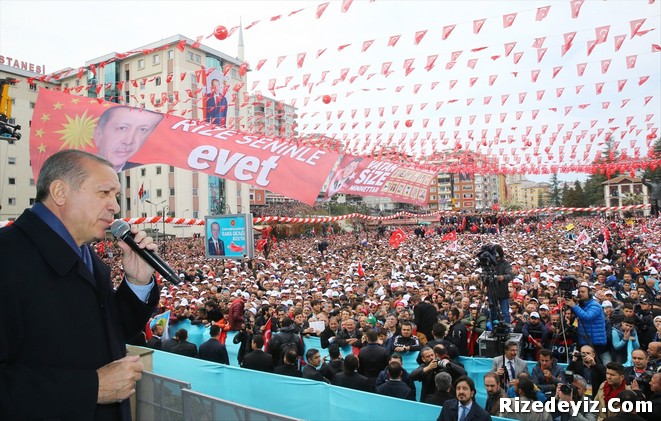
(367, 177)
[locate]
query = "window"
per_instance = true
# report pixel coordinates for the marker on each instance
(170, 54)
(12, 180)
(156, 59)
(11, 160)
(159, 193)
(141, 63)
(33, 86)
(142, 85)
(468, 195)
(143, 172)
(467, 187)
(171, 191)
(171, 169)
(31, 105)
(196, 214)
(235, 74)
(198, 59)
(194, 192)
(32, 181)
(158, 170)
(77, 82)
(11, 201)
(189, 55)
(157, 81)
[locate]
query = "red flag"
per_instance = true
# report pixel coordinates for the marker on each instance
(361, 271)
(451, 236)
(260, 245)
(397, 237)
(542, 12)
(141, 192)
(508, 20)
(267, 334)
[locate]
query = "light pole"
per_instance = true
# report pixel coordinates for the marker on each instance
(157, 205)
(183, 215)
(166, 207)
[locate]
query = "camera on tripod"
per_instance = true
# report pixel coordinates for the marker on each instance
(567, 286)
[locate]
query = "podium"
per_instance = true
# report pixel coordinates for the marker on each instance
(489, 347)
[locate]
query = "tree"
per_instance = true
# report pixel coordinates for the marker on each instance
(594, 190)
(555, 199)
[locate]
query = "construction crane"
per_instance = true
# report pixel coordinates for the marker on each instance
(8, 131)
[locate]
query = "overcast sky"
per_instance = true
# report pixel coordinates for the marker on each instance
(68, 33)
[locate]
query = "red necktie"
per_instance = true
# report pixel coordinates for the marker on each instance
(216, 244)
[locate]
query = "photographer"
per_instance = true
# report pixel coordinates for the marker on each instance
(435, 361)
(547, 374)
(494, 257)
(535, 337)
(244, 337)
(591, 322)
(584, 364)
(574, 391)
(655, 387)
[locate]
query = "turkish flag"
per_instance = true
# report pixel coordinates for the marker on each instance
(361, 271)
(451, 236)
(267, 334)
(397, 237)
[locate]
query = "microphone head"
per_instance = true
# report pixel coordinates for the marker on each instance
(120, 228)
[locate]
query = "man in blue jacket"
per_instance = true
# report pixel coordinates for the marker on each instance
(591, 321)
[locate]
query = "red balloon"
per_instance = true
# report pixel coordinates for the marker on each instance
(220, 32)
(408, 123)
(326, 99)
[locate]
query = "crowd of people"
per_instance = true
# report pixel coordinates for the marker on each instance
(592, 306)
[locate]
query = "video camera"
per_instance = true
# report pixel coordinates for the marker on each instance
(567, 286)
(488, 255)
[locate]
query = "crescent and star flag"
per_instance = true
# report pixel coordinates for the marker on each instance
(397, 237)
(141, 192)
(361, 271)
(451, 236)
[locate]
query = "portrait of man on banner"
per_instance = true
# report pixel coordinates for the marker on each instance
(215, 102)
(120, 133)
(215, 245)
(347, 170)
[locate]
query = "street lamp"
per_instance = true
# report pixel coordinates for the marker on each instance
(183, 215)
(157, 205)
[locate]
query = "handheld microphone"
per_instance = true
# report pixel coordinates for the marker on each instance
(122, 230)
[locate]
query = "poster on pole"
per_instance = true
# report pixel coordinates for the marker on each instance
(229, 236)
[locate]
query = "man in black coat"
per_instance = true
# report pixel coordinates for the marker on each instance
(312, 369)
(350, 378)
(395, 387)
(285, 338)
(46, 262)
(464, 407)
(372, 357)
(213, 350)
(155, 341)
(329, 335)
(258, 359)
(425, 316)
(288, 368)
(335, 365)
(443, 383)
(183, 347)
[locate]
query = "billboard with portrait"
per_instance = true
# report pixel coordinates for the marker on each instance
(229, 236)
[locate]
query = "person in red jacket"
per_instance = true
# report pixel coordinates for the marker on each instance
(236, 310)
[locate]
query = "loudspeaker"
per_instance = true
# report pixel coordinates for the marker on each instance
(489, 346)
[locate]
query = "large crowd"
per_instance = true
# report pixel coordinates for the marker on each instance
(594, 306)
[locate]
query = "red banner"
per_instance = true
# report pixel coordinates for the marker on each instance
(367, 177)
(130, 137)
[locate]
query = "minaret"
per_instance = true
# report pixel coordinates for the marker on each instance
(240, 50)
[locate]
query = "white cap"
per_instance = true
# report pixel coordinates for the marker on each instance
(607, 303)
(543, 307)
(534, 314)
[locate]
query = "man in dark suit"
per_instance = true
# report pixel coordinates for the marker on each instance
(425, 316)
(350, 378)
(183, 347)
(395, 387)
(311, 369)
(156, 333)
(335, 365)
(288, 368)
(494, 393)
(464, 408)
(213, 350)
(329, 335)
(215, 245)
(443, 383)
(373, 357)
(258, 359)
(45, 261)
(216, 105)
